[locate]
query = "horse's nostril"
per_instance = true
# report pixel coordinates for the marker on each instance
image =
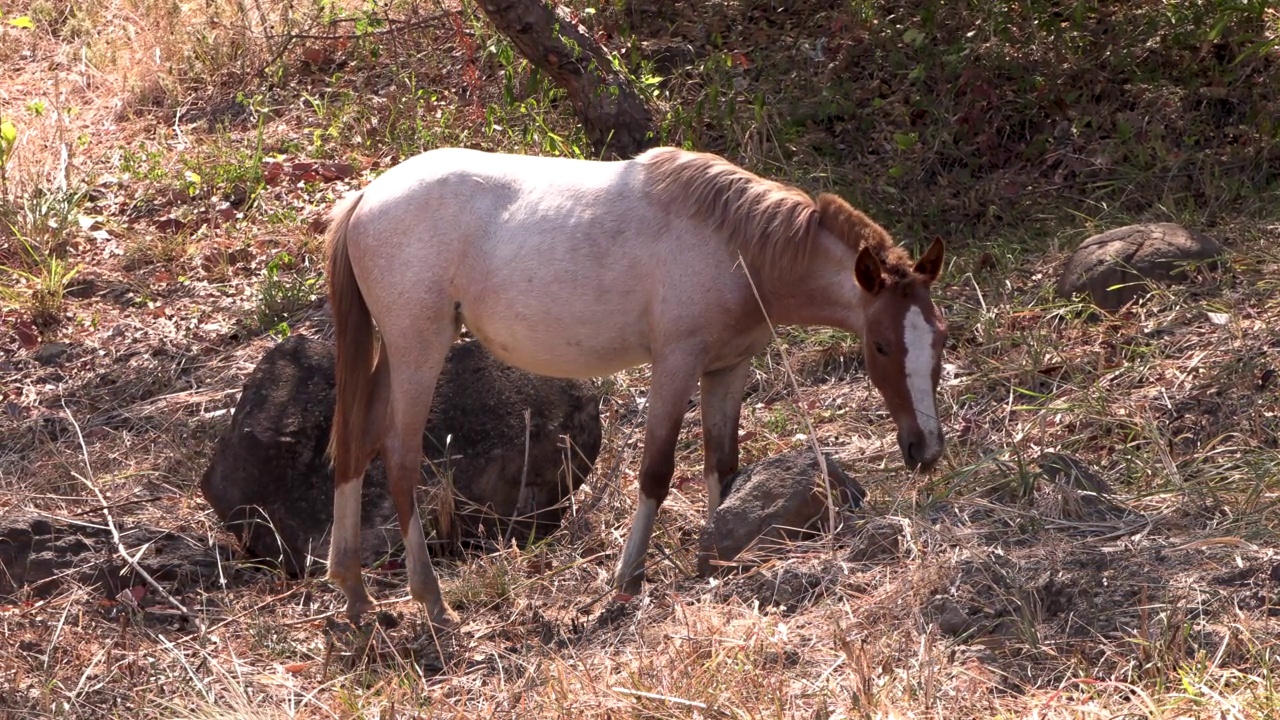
(912, 452)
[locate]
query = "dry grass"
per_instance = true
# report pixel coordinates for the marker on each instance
(985, 590)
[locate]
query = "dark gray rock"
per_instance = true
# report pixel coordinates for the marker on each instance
(779, 498)
(952, 619)
(44, 555)
(270, 482)
(51, 353)
(1113, 268)
(82, 288)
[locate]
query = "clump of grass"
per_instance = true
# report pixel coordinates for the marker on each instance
(41, 291)
(34, 252)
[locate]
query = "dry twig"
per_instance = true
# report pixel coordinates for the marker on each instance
(88, 480)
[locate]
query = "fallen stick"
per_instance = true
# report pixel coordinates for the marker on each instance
(111, 525)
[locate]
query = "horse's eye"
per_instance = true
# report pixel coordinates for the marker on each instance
(880, 348)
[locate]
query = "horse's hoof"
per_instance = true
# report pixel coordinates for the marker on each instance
(628, 587)
(444, 618)
(357, 608)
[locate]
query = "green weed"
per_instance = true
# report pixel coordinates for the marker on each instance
(287, 286)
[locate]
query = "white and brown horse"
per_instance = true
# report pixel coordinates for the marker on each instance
(576, 268)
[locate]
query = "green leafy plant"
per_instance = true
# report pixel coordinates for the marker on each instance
(8, 139)
(285, 289)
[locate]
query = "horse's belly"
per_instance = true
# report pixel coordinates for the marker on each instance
(543, 348)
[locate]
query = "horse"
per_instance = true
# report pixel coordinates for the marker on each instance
(581, 269)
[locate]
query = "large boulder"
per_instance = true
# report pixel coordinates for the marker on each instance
(1113, 268)
(777, 499)
(269, 480)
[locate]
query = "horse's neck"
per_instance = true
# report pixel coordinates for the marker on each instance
(824, 293)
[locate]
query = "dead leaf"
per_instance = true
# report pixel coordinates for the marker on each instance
(304, 170)
(171, 225)
(28, 335)
(336, 170)
(224, 214)
(314, 55)
(272, 171)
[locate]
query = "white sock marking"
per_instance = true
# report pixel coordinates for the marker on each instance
(344, 543)
(417, 558)
(918, 336)
(638, 539)
(712, 481)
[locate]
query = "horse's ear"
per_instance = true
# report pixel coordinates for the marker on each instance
(930, 264)
(866, 269)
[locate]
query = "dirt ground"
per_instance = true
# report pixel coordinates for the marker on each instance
(180, 157)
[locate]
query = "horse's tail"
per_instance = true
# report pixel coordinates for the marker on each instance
(354, 342)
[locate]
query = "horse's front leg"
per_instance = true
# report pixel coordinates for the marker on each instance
(672, 382)
(721, 405)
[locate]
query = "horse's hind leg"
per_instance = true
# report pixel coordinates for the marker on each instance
(413, 382)
(344, 541)
(721, 405)
(673, 381)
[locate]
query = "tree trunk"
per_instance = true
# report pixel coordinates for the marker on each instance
(618, 122)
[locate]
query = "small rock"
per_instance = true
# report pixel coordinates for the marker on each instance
(778, 498)
(51, 353)
(82, 288)
(953, 620)
(879, 538)
(1073, 489)
(1111, 267)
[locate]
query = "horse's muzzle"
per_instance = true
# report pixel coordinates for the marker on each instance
(918, 454)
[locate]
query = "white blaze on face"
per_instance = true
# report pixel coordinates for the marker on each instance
(918, 336)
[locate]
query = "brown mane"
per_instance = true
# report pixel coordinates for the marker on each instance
(770, 223)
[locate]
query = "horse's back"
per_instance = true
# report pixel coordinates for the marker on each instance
(563, 267)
